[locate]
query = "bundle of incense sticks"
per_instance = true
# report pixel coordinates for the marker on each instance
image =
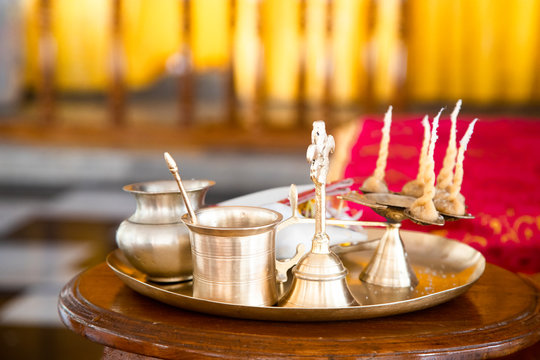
(444, 180)
(416, 187)
(376, 183)
(453, 202)
(423, 208)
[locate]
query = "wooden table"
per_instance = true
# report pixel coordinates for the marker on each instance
(499, 315)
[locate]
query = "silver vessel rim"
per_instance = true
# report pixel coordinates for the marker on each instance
(167, 186)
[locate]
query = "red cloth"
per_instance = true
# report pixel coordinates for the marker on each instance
(501, 182)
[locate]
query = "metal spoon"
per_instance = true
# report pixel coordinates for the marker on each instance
(439, 221)
(453, 217)
(173, 168)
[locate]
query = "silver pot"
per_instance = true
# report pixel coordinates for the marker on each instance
(154, 239)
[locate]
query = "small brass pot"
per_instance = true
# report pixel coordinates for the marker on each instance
(154, 239)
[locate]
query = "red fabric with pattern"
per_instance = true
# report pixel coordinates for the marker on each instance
(501, 182)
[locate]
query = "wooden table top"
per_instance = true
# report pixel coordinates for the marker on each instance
(497, 316)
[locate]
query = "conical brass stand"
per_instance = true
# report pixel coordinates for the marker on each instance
(389, 265)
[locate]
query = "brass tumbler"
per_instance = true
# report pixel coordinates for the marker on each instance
(233, 250)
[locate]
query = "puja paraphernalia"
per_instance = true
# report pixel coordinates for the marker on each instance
(392, 272)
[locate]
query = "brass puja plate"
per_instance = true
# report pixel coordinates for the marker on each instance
(445, 269)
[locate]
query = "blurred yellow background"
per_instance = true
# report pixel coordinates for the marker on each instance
(483, 51)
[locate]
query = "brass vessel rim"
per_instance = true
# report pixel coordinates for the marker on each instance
(232, 257)
(234, 283)
(319, 277)
(191, 185)
(200, 228)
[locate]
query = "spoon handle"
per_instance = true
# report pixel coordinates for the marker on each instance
(173, 168)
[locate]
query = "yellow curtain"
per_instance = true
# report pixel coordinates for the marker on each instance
(210, 33)
(151, 33)
(452, 60)
(424, 49)
(282, 48)
(484, 51)
(387, 51)
(82, 33)
(521, 45)
(349, 50)
(483, 28)
(246, 49)
(317, 56)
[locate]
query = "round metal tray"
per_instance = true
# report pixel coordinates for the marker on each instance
(445, 269)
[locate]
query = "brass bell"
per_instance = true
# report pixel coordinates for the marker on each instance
(319, 278)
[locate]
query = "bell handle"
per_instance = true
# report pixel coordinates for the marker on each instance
(282, 266)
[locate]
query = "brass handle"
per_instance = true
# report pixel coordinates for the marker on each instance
(282, 266)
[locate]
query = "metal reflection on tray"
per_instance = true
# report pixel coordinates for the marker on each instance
(445, 269)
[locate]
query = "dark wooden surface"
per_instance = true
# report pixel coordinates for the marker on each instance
(499, 315)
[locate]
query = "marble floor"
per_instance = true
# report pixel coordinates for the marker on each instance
(45, 241)
(59, 210)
